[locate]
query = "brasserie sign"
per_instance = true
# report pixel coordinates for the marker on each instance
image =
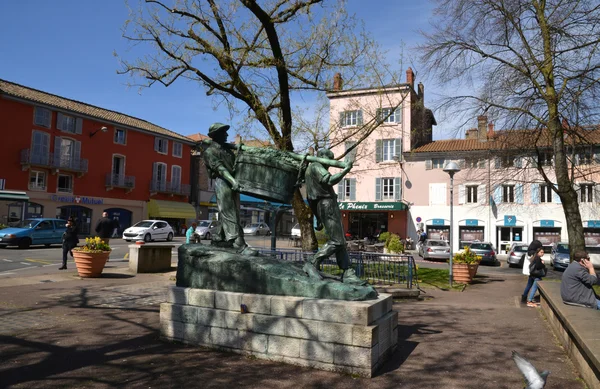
(371, 206)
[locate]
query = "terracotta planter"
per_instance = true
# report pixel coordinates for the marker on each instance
(90, 264)
(463, 273)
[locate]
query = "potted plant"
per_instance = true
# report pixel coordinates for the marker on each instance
(393, 244)
(464, 266)
(91, 257)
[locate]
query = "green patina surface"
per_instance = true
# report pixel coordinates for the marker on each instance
(209, 267)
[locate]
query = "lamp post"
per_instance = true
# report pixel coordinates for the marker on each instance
(451, 168)
(103, 129)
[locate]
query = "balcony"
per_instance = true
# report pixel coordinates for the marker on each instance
(170, 188)
(120, 181)
(54, 162)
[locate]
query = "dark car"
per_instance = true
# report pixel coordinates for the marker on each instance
(486, 251)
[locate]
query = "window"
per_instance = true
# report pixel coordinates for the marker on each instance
(42, 117)
(471, 194)
(351, 156)
(389, 115)
(67, 153)
(584, 158)
(587, 191)
(40, 148)
(388, 149)
(159, 176)
(37, 180)
(177, 149)
(437, 194)
(176, 178)
(507, 161)
(68, 123)
(65, 183)
(45, 225)
(474, 163)
(120, 136)
(351, 118)
(347, 189)
(438, 163)
(387, 189)
(545, 194)
(508, 193)
(161, 145)
(545, 159)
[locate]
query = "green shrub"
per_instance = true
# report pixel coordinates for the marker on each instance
(2, 226)
(394, 244)
(384, 236)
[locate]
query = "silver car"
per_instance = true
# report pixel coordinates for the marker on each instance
(434, 249)
(560, 256)
(257, 229)
(516, 254)
(207, 228)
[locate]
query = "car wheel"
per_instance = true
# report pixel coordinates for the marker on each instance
(147, 238)
(24, 243)
(170, 237)
(207, 237)
(127, 240)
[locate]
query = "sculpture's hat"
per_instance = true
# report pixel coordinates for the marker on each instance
(217, 127)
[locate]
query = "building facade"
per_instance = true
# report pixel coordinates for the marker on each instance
(72, 159)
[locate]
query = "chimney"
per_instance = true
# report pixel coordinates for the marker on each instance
(421, 91)
(482, 124)
(471, 133)
(410, 77)
(490, 132)
(337, 82)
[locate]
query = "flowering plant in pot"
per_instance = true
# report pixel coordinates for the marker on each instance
(91, 257)
(464, 265)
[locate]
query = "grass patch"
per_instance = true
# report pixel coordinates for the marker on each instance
(438, 278)
(596, 289)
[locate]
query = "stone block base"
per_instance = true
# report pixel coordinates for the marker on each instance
(150, 258)
(354, 337)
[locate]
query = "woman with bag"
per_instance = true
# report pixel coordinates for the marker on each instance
(533, 247)
(537, 270)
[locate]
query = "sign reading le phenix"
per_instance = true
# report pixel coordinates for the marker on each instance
(371, 206)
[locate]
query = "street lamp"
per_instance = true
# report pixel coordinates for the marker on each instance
(103, 129)
(451, 168)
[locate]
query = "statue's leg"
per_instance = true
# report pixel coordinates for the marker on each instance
(228, 203)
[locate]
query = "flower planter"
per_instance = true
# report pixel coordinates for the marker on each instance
(89, 264)
(463, 273)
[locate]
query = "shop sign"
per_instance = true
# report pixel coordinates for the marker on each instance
(371, 206)
(471, 222)
(593, 223)
(77, 200)
(510, 220)
(438, 222)
(546, 223)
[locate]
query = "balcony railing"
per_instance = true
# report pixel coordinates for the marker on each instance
(120, 181)
(54, 161)
(170, 188)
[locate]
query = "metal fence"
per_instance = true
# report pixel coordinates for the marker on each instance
(376, 268)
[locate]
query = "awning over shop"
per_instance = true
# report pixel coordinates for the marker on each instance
(6, 195)
(171, 209)
(251, 201)
(373, 206)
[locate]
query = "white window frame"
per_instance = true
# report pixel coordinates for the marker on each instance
(388, 149)
(471, 193)
(62, 190)
(117, 139)
(587, 193)
(178, 149)
(547, 196)
(161, 145)
(546, 159)
(435, 163)
(350, 118)
(45, 116)
(38, 174)
(387, 188)
(394, 117)
(347, 189)
(508, 193)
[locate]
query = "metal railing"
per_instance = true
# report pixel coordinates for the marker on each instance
(120, 181)
(55, 161)
(376, 268)
(170, 188)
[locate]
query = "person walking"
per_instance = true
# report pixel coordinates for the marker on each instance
(70, 241)
(533, 247)
(537, 270)
(105, 227)
(576, 286)
(189, 234)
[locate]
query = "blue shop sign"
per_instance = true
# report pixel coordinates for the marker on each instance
(546, 223)
(77, 200)
(471, 222)
(593, 223)
(438, 222)
(510, 220)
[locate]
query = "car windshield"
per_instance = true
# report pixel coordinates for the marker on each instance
(144, 224)
(204, 223)
(562, 248)
(27, 223)
(437, 243)
(481, 246)
(253, 226)
(296, 227)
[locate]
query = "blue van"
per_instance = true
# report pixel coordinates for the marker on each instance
(33, 231)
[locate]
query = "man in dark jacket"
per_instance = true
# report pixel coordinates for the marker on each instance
(70, 240)
(577, 281)
(104, 227)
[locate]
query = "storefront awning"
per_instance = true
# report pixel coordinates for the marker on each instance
(253, 201)
(6, 195)
(373, 206)
(171, 209)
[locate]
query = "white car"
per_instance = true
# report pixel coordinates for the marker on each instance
(149, 230)
(257, 229)
(296, 233)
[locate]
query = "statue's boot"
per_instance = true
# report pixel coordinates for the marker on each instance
(241, 247)
(312, 271)
(349, 277)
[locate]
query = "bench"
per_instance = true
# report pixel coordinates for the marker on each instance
(577, 330)
(150, 258)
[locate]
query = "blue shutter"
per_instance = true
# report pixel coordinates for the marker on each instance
(498, 194)
(398, 150)
(378, 150)
(555, 197)
(57, 146)
(397, 188)
(154, 183)
(377, 189)
(341, 191)
(359, 120)
(77, 155)
(59, 121)
(535, 193)
(519, 193)
(352, 189)
(78, 125)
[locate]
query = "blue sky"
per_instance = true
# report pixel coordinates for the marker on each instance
(66, 47)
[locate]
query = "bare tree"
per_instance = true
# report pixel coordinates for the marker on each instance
(528, 64)
(253, 55)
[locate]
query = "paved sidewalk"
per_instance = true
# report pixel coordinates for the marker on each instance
(59, 331)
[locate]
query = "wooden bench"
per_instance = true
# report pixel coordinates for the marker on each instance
(577, 330)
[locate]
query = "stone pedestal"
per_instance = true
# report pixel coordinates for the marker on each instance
(354, 337)
(150, 258)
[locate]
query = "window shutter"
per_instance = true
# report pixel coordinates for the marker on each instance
(341, 191)
(596, 155)
(399, 114)
(154, 175)
(379, 116)
(498, 194)
(497, 163)
(576, 159)
(519, 162)
(156, 144)
(481, 164)
(481, 194)
(535, 193)
(462, 163)
(534, 160)
(578, 191)
(398, 144)
(428, 164)
(57, 146)
(596, 193)
(77, 154)
(78, 125)
(397, 188)
(352, 189)
(59, 121)
(519, 193)
(341, 119)
(555, 197)
(359, 120)
(461, 194)
(378, 150)
(377, 189)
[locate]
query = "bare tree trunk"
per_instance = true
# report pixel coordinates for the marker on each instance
(305, 219)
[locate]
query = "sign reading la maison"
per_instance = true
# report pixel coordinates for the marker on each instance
(369, 206)
(77, 200)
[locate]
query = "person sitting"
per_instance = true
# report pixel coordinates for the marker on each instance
(576, 286)
(191, 236)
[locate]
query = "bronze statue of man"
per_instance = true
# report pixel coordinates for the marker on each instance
(219, 160)
(323, 202)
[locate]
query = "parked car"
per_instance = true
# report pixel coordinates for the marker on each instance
(207, 228)
(257, 229)
(594, 252)
(560, 256)
(546, 257)
(33, 232)
(516, 254)
(434, 249)
(296, 231)
(149, 230)
(487, 252)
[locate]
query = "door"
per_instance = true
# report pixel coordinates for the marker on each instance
(122, 216)
(118, 170)
(161, 231)
(43, 233)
